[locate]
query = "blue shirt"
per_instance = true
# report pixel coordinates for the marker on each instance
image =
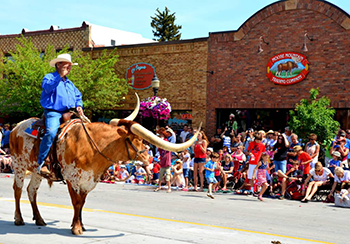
(6, 138)
(58, 94)
(210, 165)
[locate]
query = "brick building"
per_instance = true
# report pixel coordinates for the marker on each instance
(240, 82)
(206, 79)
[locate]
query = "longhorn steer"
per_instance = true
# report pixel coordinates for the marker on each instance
(82, 164)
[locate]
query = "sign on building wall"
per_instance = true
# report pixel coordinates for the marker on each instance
(139, 76)
(287, 68)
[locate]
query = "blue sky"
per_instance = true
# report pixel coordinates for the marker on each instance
(197, 17)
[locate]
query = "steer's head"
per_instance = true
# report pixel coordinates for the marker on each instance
(135, 134)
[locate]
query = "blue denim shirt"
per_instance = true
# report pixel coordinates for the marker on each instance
(58, 94)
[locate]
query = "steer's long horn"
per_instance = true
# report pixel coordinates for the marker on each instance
(132, 116)
(142, 132)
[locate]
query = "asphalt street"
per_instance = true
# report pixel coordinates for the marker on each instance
(124, 213)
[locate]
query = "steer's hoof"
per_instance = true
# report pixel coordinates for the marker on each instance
(19, 222)
(77, 231)
(40, 222)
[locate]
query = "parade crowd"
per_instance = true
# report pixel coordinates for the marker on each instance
(271, 164)
(254, 162)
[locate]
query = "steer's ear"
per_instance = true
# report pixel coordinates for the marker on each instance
(122, 131)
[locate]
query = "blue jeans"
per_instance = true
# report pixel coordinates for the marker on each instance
(52, 124)
(282, 165)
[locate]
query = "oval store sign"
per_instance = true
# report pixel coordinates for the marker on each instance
(287, 68)
(139, 76)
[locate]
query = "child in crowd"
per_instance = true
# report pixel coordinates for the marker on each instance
(155, 170)
(186, 159)
(260, 171)
(140, 174)
(335, 161)
(178, 178)
(123, 174)
(111, 174)
(255, 149)
(343, 198)
(209, 172)
(221, 154)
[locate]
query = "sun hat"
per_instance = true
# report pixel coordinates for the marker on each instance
(65, 57)
(270, 132)
(336, 153)
(210, 149)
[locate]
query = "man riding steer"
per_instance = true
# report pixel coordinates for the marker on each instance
(59, 95)
(84, 151)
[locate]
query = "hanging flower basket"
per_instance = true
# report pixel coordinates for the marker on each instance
(156, 107)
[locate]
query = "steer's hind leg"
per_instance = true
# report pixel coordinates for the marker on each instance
(32, 190)
(17, 188)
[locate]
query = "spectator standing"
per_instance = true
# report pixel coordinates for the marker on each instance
(6, 138)
(232, 125)
(1, 134)
(304, 160)
(287, 134)
(280, 154)
(216, 140)
(155, 171)
(200, 155)
(255, 149)
(313, 149)
(171, 135)
(248, 138)
(291, 154)
(226, 139)
(186, 159)
(184, 133)
(165, 163)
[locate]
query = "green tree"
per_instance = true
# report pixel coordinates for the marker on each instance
(24, 69)
(314, 116)
(164, 26)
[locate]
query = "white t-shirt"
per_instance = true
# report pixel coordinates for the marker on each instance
(183, 135)
(322, 177)
(346, 177)
(186, 161)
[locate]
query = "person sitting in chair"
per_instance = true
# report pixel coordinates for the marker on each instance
(58, 96)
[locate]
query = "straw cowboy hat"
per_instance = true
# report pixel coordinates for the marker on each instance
(62, 58)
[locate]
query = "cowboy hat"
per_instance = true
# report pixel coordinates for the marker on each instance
(62, 58)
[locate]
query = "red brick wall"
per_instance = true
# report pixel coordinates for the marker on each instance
(240, 72)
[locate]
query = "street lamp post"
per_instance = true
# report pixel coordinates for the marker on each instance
(155, 84)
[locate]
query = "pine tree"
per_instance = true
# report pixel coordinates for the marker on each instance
(164, 26)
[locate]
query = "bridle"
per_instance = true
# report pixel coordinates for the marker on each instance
(138, 152)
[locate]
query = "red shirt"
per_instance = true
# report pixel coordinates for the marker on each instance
(198, 153)
(256, 149)
(304, 157)
(156, 168)
(217, 170)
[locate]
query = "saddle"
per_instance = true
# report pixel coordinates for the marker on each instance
(51, 160)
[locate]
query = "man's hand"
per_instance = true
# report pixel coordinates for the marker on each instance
(63, 68)
(80, 111)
